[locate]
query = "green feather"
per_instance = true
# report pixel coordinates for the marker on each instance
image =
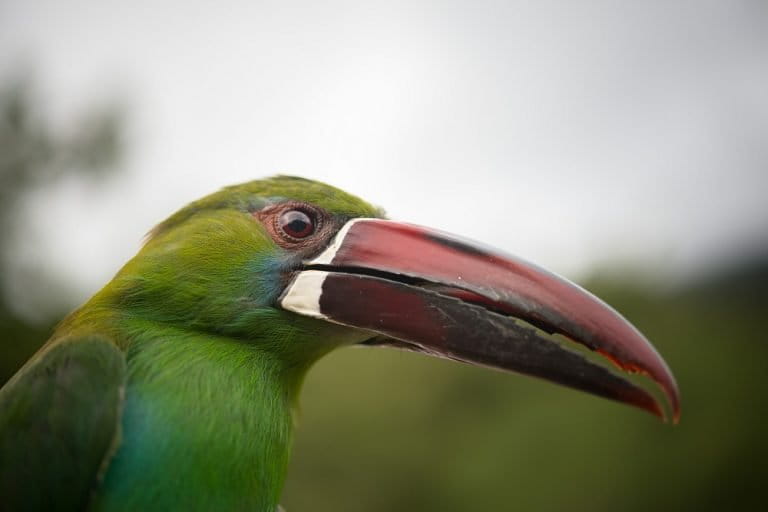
(174, 387)
(59, 424)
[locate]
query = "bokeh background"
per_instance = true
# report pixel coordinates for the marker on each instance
(622, 144)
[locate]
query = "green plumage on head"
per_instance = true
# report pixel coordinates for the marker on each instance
(185, 376)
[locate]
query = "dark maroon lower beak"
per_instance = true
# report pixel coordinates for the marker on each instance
(426, 290)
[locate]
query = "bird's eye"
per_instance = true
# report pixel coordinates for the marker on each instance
(296, 224)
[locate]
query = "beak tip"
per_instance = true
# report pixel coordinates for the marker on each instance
(673, 395)
(671, 392)
(670, 414)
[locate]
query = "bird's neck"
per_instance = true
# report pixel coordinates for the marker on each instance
(206, 425)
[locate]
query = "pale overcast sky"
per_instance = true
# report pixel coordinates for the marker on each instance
(569, 133)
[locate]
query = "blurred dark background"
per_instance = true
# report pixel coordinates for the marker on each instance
(622, 144)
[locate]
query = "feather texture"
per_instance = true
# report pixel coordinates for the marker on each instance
(174, 387)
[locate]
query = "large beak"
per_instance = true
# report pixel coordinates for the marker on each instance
(426, 290)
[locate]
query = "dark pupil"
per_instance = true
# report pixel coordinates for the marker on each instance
(296, 223)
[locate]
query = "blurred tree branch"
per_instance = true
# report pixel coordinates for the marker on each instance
(35, 154)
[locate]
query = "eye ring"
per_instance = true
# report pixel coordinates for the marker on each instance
(296, 224)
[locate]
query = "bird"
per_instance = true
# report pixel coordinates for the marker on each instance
(175, 386)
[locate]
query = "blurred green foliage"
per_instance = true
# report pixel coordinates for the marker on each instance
(383, 430)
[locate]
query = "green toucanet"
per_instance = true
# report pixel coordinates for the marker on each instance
(173, 388)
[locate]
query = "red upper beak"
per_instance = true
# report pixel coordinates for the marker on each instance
(437, 293)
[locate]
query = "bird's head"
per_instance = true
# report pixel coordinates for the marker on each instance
(297, 268)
